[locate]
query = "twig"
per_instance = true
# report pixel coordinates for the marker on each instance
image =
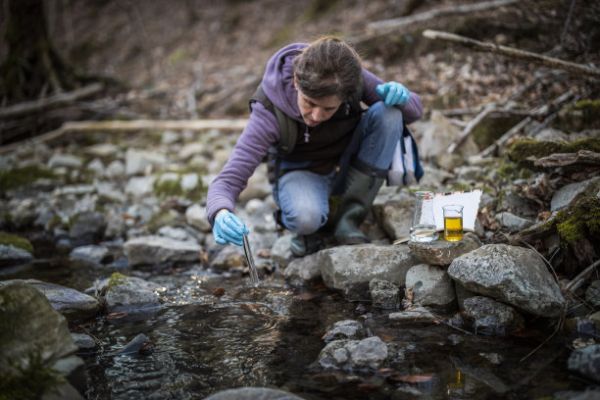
(581, 277)
(470, 127)
(551, 62)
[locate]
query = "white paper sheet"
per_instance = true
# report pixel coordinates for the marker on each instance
(469, 201)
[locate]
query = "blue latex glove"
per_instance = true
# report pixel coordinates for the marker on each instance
(393, 93)
(228, 228)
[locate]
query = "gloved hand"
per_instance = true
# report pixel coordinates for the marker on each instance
(228, 228)
(393, 93)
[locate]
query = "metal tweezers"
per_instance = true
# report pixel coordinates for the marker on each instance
(250, 260)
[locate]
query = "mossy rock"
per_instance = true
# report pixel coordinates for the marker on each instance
(584, 114)
(16, 241)
(17, 177)
(492, 128)
(523, 151)
(116, 279)
(580, 221)
(163, 218)
(172, 188)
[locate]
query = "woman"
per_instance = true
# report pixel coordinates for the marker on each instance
(336, 146)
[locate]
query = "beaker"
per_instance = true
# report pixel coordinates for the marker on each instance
(453, 222)
(423, 226)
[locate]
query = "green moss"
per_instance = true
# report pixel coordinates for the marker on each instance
(17, 177)
(509, 171)
(584, 114)
(490, 129)
(116, 279)
(30, 382)
(172, 188)
(162, 219)
(15, 241)
(580, 221)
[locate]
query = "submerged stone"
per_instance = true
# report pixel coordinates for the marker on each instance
(253, 393)
(346, 329)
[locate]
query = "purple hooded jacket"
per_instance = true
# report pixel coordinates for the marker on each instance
(262, 130)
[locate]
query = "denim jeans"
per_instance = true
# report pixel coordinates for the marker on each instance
(303, 196)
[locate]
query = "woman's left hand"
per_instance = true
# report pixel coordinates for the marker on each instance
(393, 93)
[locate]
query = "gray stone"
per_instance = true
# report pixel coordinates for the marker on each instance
(195, 215)
(139, 186)
(568, 194)
(137, 161)
(189, 181)
(413, 314)
(156, 250)
(592, 294)
(303, 269)
(115, 169)
(96, 166)
(191, 149)
(102, 150)
(510, 274)
(135, 344)
(10, 255)
(490, 317)
(346, 329)
(512, 202)
(586, 361)
(131, 294)
(512, 222)
(87, 228)
(354, 354)
(229, 257)
(65, 160)
(430, 285)
(384, 294)
(394, 211)
(170, 137)
(253, 393)
(179, 234)
(281, 252)
(442, 252)
(83, 341)
(345, 267)
(108, 192)
(93, 254)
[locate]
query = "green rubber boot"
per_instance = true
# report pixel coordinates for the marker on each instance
(356, 200)
(303, 245)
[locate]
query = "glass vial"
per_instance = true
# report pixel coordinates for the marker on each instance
(423, 226)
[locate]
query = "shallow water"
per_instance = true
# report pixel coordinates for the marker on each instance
(271, 336)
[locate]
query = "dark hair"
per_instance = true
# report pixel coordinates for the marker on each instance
(329, 66)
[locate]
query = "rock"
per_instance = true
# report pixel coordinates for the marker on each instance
(157, 250)
(179, 234)
(140, 186)
(108, 192)
(515, 204)
(96, 166)
(69, 302)
(567, 195)
(195, 215)
(115, 169)
(87, 228)
(430, 285)
(586, 361)
(354, 354)
(346, 329)
(11, 255)
(129, 294)
(513, 223)
(280, 252)
(189, 182)
(253, 393)
(394, 211)
(170, 137)
(102, 150)
(304, 269)
(135, 345)
(592, 294)
(229, 257)
(441, 252)
(413, 314)
(65, 160)
(191, 149)
(92, 254)
(346, 267)
(384, 294)
(83, 341)
(490, 317)
(510, 274)
(136, 161)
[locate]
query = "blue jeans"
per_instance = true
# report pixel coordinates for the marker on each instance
(303, 196)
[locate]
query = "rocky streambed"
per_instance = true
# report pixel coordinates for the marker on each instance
(113, 287)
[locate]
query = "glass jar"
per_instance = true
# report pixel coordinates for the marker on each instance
(423, 226)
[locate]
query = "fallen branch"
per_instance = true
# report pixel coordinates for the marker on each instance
(52, 101)
(564, 159)
(550, 62)
(470, 127)
(580, 279)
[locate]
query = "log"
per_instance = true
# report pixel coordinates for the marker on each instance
(52, 101)
(564, 159)
(512, 52)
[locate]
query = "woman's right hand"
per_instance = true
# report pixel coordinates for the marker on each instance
(228, 228)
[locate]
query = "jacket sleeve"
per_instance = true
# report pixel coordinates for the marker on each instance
(411, 111)
(254, 142)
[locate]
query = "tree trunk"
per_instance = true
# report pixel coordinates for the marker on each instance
(32, 67)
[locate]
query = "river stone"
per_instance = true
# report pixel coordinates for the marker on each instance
(566, 195)
(510, 274)
(140, 186)
(592, 294)
(83, 341)
(65, 160)
(441, 252)
(29, 325)
(394, 213)
(586, 361)
(512, 222)
(129, 293)
(346, 267)
(229, 257)
(175, 233)
(253, 393)
(384, 294)
(156, 250)
(413, 314)
(115, 169)
(195, 215)
(303, 269)
(281, 252)
(136, 161)
(430, 285)
(354, 354)
(490, 317)
(346, 329)
(10, 255)
(93, 254)
(87, 228)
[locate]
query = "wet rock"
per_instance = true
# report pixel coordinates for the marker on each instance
(513, 223)
(157, 250)
(586, 361)
(567, 195)
(346, 267)
(83, 341)
(354, 354)
(137, 161)
(304, 269)
(384, 294)
(253, 393)
(346, 329)
(394, 211)
(280, 252)
(140, 186)
(490, 317)
(135, 345)
(510, 274)
(413, 314)
(87, 228)
(129, 293)
(430, 285)
(228, 257)
(11, 255)
(91, 254)
(195, 215)
(69, 302)
(592, 294)
(65, 160)
(441, 252)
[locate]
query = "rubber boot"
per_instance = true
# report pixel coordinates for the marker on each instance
(356, 200)
(303, 245)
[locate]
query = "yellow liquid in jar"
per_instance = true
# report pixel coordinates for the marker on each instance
(453, 229)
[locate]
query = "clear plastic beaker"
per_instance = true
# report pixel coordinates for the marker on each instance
(423, 226)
